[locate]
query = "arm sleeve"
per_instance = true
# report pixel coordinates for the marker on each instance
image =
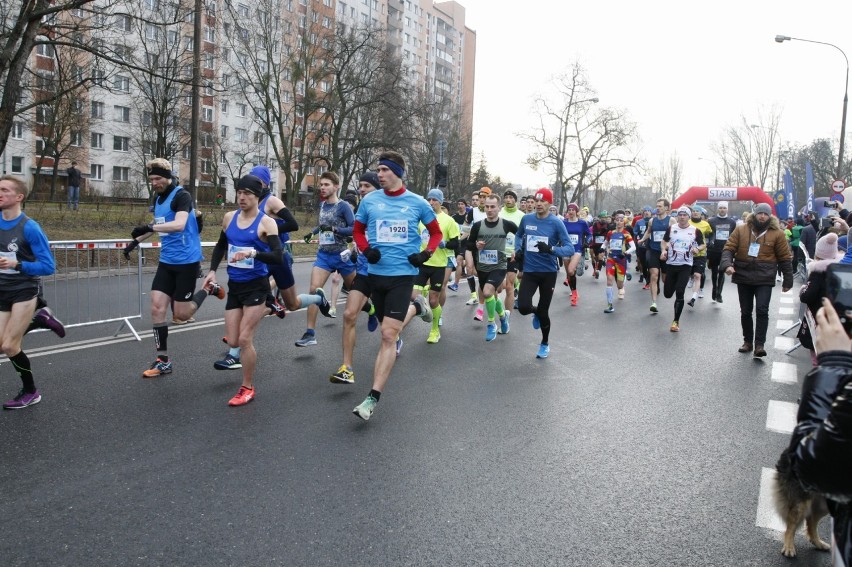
(359, 235)
(182, 202)
(43, 264)
(452, 243)
(472, 236)
(699, 238)
(348, 217)
(218, 251)
(274, 256)
(565, 247)
(435, 235)
(290, 222)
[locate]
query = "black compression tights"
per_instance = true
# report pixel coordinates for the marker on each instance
(543, 282)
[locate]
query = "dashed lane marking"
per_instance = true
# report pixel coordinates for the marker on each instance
(784, 343)
(782, 324)
(781, 416)
(767, 517)
(784, 372)
(786, 311)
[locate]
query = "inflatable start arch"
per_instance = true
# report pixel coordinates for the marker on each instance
(693, 194)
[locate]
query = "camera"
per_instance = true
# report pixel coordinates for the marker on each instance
(826, 222)
(839, 292)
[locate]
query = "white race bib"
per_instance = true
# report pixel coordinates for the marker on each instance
(488, 257)
(326, 237)
(574, 239)
(658, 235)
(392, 231)
(159, 220)
(600, 239)
(9, 256)
(532, 240)
(722, 234)
(245, 263)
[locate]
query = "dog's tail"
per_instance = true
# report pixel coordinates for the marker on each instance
(788, 491)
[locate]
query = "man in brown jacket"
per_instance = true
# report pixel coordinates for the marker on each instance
(752, 256)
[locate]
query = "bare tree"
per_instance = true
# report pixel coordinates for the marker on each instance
(667, 178)
(749, 151)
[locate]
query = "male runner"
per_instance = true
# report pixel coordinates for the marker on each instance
(699, 261)
(680, 243)
(722, 226)
(511, 212)
(654, 238)
(579, 234)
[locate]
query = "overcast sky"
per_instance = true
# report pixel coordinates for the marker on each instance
(683, 70)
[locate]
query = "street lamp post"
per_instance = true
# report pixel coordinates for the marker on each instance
(782, 39)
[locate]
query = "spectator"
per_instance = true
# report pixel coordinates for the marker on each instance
(74, 178)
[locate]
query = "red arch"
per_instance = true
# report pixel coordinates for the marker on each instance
(755, 194)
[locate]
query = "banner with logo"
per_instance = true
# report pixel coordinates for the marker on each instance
(780, 199)
(791, 194)
(809, 182)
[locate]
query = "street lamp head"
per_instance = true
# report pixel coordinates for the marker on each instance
(782, 38)
(595, 100)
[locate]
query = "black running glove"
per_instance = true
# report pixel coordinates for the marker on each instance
(141, 230)
(129, 248)
(372, 255)
(307, 237)
(420, 258)
(544, 247)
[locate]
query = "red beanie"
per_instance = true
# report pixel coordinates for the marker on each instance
(545, 194)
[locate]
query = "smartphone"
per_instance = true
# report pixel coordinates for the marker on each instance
(839, 292)
(826, 222)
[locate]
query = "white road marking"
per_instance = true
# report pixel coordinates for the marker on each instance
(781, 416)
(782, 324)
(786, 311)
(785, 372)
(787, 300)
(767, 517)
(784, 343)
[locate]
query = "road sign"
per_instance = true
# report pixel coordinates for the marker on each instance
(838, 186)
(837, 197)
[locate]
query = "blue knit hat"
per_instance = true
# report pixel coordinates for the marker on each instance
(262, 173)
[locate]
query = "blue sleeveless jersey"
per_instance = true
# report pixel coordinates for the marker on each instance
(245, 239)
(182, 247)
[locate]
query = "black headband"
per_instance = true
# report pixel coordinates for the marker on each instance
(160, 171)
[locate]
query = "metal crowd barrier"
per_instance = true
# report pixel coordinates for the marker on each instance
(95, 284)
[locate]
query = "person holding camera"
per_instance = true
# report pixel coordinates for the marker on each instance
(821, 444)
(814, 289)
(752, 256)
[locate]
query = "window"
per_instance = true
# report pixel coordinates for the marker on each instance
(223, 132)
(259, 138)
(97, 141)
(240, 134)
(96, 172)
(172, 38)
(225, 55)
(121, 143)
(149, 147)
(206, 140)
(207, 114)
(17, 164)
(98, 76)
(243, 10)
(122, 113)
(76, 138)
(45, 50)
(43, 114)
(124, 23)
(208, 88)
(147, 117)
(206, 166)
(185, 152)
(225, 107)
(189, 43)
(120, 173)
(18, 130)
(208, 60)
(121, 83)
(226, 80)
(223, 157)
(152, 32)
(326, 22)
(241, 109)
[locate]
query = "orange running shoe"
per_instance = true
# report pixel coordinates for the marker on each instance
(244, 396)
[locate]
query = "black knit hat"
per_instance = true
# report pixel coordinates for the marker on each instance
(251, 184)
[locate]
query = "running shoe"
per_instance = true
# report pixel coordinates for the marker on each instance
(372, 323)
(308, 339)
(543, 351)
(691, 302)
(453, 287)
(595, 274)
(491, 331)
(215, 290)
(609, 308)
(646, 286)
(621, 293)
(504, 323)
(434, 336)
(675, 327)
(478, 315)
(176, 321)
(574, 298)
(244, 395)
(516, 305)
(425, 310)
(566, 283)
(472, 301)
(332, 312)
(277, 309)
(629, 276)
(45, 319)
(344, 375)
(399, 344)
(535, 322)
(365, 409)
(22, 400)
(228, 363)
(653, 307)
(701, 293)
(324, 306)
(158, 368)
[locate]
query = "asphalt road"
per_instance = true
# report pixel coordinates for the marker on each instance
(630, 445)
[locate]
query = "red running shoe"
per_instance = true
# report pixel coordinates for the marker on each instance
(244, 396)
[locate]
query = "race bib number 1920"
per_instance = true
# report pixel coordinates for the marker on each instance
(392, 231)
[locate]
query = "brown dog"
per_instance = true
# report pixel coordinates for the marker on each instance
(796, 505)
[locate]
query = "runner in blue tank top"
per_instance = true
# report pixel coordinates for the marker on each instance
(249, 241)
(653, 239)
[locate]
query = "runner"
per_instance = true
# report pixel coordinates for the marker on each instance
(359, 296)
(654, 238)
(488, 243)
(180, 260)
(722, 226)
(619, 243)
(250, 240)
(579, 234)
(680, 243)
(512, 213)
(699, 261)
(596, 249)
(640, 226)
(386, 232)
(540, 239)
(24, 257)
(335, 225)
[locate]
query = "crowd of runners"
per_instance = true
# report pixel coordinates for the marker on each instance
(396, 256)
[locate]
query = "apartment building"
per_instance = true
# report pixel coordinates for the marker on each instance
(126, 116)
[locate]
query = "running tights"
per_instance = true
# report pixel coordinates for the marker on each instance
(543, 282)
(677, 278)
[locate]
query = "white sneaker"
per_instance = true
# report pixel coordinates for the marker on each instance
(700, 293)
(472, 301)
